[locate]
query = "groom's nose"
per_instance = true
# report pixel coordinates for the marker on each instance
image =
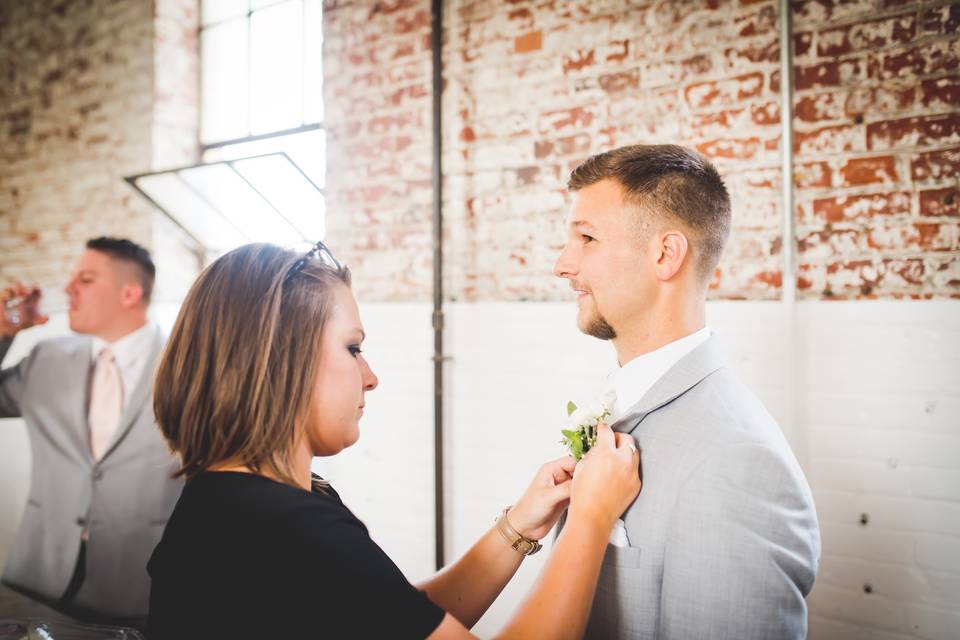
(564, 267)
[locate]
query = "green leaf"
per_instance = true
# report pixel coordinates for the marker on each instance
(571, 435)
(571, 408)
(576, 448)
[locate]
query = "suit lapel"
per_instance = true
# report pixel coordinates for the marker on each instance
(680, 378)
(79, 367)
(139, 396)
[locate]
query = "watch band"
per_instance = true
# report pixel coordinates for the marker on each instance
(518, 541)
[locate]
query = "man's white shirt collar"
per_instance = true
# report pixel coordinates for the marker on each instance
(632, 380)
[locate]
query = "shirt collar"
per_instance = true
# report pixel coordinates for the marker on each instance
(128, 348)
(632, 381)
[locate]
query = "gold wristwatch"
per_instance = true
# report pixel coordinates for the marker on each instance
(518, 541)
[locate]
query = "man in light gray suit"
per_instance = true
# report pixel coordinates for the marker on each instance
(101, 487)
(723, 540)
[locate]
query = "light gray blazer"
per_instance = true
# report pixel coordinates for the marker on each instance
(724, 541)
(125, 498)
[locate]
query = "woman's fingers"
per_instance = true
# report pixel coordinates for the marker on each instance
(605, 436)
(626, 442)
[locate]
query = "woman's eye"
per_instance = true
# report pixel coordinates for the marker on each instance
(355, 350)
(587, 239)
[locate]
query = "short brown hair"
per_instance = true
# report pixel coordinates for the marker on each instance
(129, 251)
(671, 181)
(236, 379)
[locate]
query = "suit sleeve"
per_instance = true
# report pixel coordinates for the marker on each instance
(743, 550)
(12, 382)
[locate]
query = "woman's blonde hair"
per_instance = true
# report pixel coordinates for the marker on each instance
(236, 379)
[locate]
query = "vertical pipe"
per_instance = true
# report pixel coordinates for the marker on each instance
(437, 47)
(789, 279)
(793, 426)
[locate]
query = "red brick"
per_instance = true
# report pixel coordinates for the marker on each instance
(872, 34)
(861, 171)
(766, 113)
(936, 164)
(575, 118)
(616, 51)
(523, 17)
(821, 106)
(828, 74)
(938, 56)
(621, 81)
(742, 149)
(699, 125)
(910, 132)
(945, 19)
(940, 202)
(812, 175)
(859, 207)
(416, 22)
(942, 93)
(823, 10)
(728, 91)
(577, 60)
(528, 42)
(879, 238)
(751, 53)
(833, 139)
(878, 101)
(865, 278)
(801, 43)
(762, 21)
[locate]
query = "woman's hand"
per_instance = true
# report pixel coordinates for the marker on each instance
(544, 500)
(607, 479)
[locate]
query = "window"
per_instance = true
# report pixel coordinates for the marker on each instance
(261, 136)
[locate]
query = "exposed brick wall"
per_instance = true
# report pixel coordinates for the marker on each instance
(81, 106)
(532, 87)
(877, 121)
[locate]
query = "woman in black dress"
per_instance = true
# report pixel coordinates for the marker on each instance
(264, 371)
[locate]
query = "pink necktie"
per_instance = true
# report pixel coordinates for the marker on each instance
(106, 403)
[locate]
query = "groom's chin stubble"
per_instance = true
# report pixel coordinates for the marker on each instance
(599, 328)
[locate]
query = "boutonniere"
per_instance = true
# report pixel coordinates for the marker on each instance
(581, 431)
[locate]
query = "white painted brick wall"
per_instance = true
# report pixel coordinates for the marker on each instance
(876, 402)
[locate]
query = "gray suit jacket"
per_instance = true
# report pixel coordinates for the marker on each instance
(724, 541)
(124, 499)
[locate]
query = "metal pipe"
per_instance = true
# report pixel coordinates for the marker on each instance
(789, 276)
(791, 343)
(436, 39)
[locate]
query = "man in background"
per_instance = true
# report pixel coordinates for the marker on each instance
(101, 487)
(723, 540)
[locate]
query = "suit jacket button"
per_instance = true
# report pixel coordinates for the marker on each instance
(98, 475)
(82, 522)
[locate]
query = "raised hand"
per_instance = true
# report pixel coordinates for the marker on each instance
(544, 500)
(19, 309)
(607, 479)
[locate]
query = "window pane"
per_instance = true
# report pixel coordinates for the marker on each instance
(240, 204)
(307, 150)
(276, 50)
(196, 216)
(313, 61)
(288, 190)
(220, 10)
(224, 73)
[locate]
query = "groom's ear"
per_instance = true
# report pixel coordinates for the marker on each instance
(671, 251)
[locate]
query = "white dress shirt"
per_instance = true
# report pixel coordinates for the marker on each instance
(632, 381)
(131, 353)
